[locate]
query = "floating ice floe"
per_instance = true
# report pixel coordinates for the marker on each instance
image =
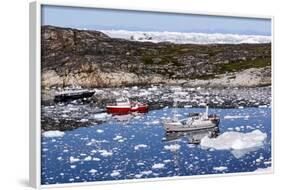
(88, 158)
(93, 171)
(143, 173)
(99, 131)
(117, 137)
(172, 147)
(115, 173)
(49, 134)
(105, 153)
(96, 159)
(236, 116)
(102, 116)
(220, 168)
(84, 120)
(72, 159)
(235, 140)
(158, 166)
(137, 147)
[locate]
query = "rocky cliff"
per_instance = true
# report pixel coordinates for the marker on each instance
(93, 59)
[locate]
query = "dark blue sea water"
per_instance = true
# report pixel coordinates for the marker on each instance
(130, 147)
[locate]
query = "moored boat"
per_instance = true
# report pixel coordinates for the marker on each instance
(194, 121)
(125, 106)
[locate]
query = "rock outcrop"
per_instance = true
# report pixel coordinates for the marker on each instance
(93, 59)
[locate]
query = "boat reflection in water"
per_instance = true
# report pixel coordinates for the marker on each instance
(193, 137)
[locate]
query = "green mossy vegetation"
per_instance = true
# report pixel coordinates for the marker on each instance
(239, 66)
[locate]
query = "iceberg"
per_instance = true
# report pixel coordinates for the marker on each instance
(235, 141)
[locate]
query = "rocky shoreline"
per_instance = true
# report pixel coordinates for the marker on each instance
(91, 111)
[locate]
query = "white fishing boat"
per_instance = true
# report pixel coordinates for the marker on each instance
(194, 121)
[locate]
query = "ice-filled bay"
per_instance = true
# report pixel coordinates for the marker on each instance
(136, 146)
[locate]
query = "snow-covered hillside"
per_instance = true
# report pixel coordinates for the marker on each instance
(187, 38)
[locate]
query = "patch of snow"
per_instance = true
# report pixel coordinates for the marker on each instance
(235, 140)
(49, 134)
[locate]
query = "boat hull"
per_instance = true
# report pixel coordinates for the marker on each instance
(178, 127)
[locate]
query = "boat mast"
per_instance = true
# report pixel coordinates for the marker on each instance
(175, 113)
(207, 110)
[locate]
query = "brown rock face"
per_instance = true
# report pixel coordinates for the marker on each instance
(92, 59)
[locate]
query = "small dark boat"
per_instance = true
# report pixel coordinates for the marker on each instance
(70, 95)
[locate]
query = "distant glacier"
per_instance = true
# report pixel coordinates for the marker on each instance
(187, 38)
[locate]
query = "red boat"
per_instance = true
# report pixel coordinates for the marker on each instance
(124, 106)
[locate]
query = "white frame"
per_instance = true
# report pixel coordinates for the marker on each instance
(35, 90)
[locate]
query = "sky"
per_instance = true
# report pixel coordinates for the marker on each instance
(106, 19)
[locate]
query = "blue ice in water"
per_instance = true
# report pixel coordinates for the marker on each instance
(131, 147)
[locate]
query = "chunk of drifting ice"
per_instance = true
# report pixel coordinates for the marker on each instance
(172, 147)
(220, 168)
(148, 172)
(143, 173)
(115, 173)
(105, 153)
(88, 158)
(117, 137)
(96, 159)
(99, 131)
(102, 116)
(158, 166)
(167, 161)
(236, 116)
(235, 140)
(72, 159)
(93, 171)
(137, 147)
(49, 134)
(83, 120)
